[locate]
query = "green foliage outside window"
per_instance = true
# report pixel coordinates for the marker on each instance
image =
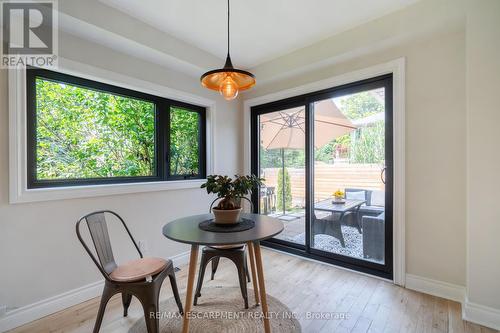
(365, 145)
(369, 145)
(184, 150)
(360, 105)
(271, 158)
(327, 152)
(84, 133)
(288, 191)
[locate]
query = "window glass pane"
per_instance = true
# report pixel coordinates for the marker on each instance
(184, 142)
(83, 133)
(349, 164)
(283, 165)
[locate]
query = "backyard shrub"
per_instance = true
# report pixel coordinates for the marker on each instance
(288, 191)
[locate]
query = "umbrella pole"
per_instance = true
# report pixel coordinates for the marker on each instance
(283, 179)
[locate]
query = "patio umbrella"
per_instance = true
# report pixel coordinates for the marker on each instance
(286, 129)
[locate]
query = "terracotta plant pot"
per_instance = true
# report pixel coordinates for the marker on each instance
(227, 216)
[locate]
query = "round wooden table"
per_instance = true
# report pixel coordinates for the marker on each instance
(186, 230)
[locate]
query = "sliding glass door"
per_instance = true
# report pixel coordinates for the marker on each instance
(327, 162)
(282, 165)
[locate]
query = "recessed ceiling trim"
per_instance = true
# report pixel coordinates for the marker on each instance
(265, 29)
(98, 35)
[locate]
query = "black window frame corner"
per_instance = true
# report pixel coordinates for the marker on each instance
(162, 107)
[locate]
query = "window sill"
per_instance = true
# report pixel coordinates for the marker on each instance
(75, 192)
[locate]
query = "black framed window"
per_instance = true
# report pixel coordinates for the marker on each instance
(299, 146)
(186, 131)
(83, 132)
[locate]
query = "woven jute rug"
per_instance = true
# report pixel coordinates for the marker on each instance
(222, 310)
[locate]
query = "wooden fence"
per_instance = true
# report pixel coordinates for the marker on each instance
(328, 178)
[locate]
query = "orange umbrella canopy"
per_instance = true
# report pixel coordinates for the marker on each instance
(286, 129)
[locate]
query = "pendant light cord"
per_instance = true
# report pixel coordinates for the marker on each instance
(228, 27)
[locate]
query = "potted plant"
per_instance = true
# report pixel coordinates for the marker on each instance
(230, 191)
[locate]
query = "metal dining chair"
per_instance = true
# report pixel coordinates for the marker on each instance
(141, 277)
(235, 253)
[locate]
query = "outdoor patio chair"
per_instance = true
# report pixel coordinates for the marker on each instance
(369, 208)
(375, 206)
(328, 225)
(141, 277)
(268, 198)
(358, 194)
(374, 237)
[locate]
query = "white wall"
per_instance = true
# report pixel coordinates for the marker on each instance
(452, 51)
(435, 124)
(483, 181)
(40, 254)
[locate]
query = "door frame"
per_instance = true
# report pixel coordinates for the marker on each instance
(397, 69)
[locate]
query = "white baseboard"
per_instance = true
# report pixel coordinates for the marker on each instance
(437, 288)
(472, 312)
(48, 306)
(181, 259)
(29, 313)
(480, 314)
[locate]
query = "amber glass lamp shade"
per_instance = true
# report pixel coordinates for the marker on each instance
(229, 81)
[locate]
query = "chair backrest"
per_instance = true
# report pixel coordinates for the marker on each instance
(358, 193)
(98, 229)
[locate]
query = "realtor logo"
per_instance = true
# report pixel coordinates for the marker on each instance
(29, 36)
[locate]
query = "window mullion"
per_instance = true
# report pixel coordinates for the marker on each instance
(164, 153)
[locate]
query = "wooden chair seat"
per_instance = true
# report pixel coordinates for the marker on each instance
(138, 269)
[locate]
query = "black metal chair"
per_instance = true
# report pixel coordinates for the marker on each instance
(141, 278)
(235, 253)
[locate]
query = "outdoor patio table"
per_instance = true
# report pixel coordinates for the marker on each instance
(186, 230)
(341, 208)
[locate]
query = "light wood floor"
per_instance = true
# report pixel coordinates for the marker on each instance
(371, 305)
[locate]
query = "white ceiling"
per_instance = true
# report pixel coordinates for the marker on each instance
(261, 30)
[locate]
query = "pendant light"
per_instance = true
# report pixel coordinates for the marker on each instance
(228, 80)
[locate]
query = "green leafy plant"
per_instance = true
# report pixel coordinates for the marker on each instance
(184, 132)
(288, 190)
(231, 190)
(84, 133)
